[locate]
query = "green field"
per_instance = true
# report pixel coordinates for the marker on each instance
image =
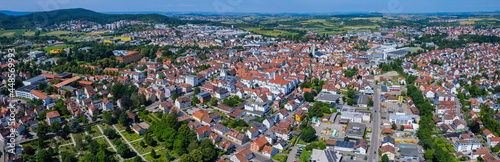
(12, 32)
(58, 33)
(47, 49)
(29, 33)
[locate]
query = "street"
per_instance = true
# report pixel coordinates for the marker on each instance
(372, 151)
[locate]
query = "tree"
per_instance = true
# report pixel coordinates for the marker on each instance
(123, 150)
(394, 126)
(308, 134)
(111, 133)
(55, 126)
(167, 156)
(495, 149)
(29, 150)
(149, 140)
(196, 90)
(385, 158)
(124, 119)
(370, 102)
(137, 159)
(401, 128)
(174, 96)
(108, 119)
(42, 85)
(195, 100)
(213, 101)
(308, 97)
(346, 138)
(74, 126)
(43, 156)
(153, 153)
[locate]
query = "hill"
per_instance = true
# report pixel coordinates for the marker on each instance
(14, 13)
(57, 16)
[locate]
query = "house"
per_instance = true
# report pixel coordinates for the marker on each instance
(182, 102)
(409, 152)
(140, 128)
(242, 155)
(291, 106)
(133, 118)
(355, 130)
(344, 146)
(214, 137)
(262, 128)
(457, 124)
(253, 132)
(487, 134)
(269, 121)
(258, 144)
(282, 113)
(107, 105)
(226, 145)
(221, 93)
(237, 136)
(282, 145)
(300, 115)
(493, 141)
(204, 96)
(203, 132)
(269, 151)
(478, 153)
(53, 116)
(389, 151)
(361, 146)
(388, 140)
(466, 145)
(220, 129)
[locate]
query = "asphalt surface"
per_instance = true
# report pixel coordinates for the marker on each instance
(374, 143)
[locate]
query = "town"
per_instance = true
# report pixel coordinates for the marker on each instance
(134, 90)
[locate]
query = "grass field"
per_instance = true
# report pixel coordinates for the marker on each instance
(29, 33)
(56, 47)
(12, 32)
(58, 33)
(273, 33)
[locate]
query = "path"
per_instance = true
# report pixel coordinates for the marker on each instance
(130, 145)
(112, 146)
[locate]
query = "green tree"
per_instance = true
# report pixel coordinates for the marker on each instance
(346, 138)
(137, 159)
(153, 153)
(43, 156)
(308, 97)
(123, 150)
(394, 126)
(74, 126)
(174, 96)
(196, 90)
(385, 158)
(195, 100)
(55, 126)
(308, 134)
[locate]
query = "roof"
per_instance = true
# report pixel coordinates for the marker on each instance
(39, 94)
(53, 114)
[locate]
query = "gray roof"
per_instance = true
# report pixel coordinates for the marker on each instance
(388, 139)
(328, 97)
(408, 150)
(355, 129)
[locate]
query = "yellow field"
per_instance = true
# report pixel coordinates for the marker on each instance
(368, 18)
(8, 34)
(30, 33)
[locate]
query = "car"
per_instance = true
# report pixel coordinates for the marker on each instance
(375, 152)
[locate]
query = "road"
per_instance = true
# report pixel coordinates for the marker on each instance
(372, 151)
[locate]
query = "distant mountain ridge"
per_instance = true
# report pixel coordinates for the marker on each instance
(46, 18)
(14, 13)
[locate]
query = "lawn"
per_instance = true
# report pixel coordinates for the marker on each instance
(304, 157)
(131, 136)
(280, 158)
(103, 141)
(12, 32)
(29, 33)
(143, 150)
(58, 33)
(94, 131)
(47, 49)
(160, 155)
(273, 32)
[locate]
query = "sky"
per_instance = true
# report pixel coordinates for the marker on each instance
(258, 6)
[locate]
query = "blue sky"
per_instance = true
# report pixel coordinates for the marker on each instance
(259, 6)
